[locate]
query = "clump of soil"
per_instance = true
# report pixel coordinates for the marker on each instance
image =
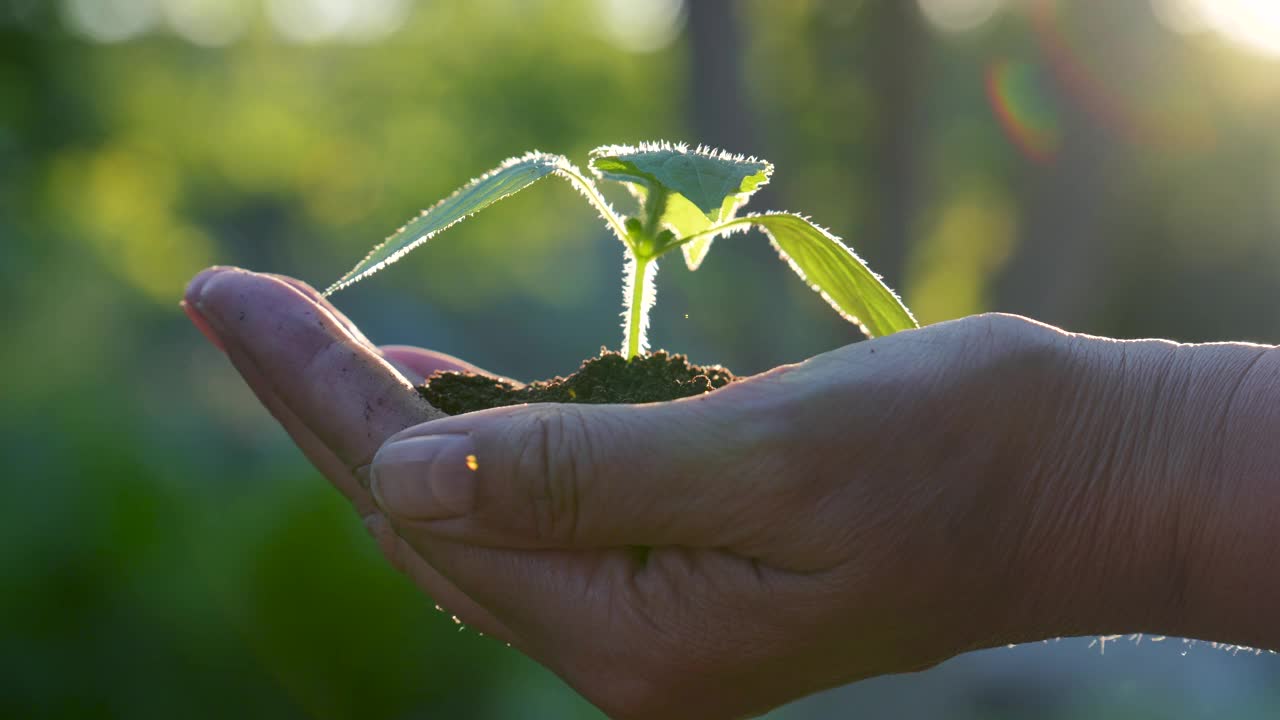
(608, 378)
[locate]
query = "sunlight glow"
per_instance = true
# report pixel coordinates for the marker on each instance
(1251, 24)
(955, 16)
(642, 27)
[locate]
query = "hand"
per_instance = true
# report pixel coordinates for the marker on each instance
(875, 509)
(717, 556)
(337, 395)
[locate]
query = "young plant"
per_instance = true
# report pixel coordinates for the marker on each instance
(686, 198)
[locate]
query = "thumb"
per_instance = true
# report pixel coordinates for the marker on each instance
(686, 472)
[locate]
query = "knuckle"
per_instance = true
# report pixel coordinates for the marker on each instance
(998, 325)
(1002, 341)
(1014, 330)
(550, 470)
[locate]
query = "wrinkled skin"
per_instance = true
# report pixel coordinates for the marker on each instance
(875, 509)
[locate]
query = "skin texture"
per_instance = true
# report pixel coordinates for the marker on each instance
(875, 509)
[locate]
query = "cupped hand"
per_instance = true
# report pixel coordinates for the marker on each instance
(712, 557)
(336, 394)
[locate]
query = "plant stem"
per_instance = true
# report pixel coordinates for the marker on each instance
(655, 204)
(716, 229)
(635, 321)
(589, 191)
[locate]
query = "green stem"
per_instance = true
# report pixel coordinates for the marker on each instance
(588, 189)
(716, 229)
(655, 204)
(635, 322)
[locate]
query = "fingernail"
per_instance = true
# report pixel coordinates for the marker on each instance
(202, 325)
(430, 477)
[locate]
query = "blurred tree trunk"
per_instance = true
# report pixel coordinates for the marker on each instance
(720, 115)
(893, 67)
(896, 78)
(1055, 268)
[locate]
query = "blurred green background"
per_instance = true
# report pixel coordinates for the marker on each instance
(1113, 167)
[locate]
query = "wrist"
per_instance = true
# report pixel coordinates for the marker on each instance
(1132, 491)
(1233, 568)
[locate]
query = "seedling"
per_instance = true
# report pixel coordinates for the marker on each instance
(685, 198)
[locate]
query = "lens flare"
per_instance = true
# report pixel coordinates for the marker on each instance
(1024, 108)
(1155, 119)
(1079, 79)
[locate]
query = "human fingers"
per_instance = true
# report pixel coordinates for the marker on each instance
(316, 297)
(704, 471)
(417, 363)
(335, 468)
(308, 368)
(414, 363)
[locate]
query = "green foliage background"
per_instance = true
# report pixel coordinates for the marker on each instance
(164, 551)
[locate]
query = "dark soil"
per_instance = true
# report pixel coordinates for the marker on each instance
(605, 379)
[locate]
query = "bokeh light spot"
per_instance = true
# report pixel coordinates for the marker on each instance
(377, 19)
(208, 23)
(958, 15)
(309, 21)
(125, 207)
(949, 273)
(110, 21)
(642, 27)
(317, 21)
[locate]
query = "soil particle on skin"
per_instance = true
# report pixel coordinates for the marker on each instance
(608, 378)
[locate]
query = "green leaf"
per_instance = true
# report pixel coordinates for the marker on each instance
(510, 177)
(705, 187)
(836, 273)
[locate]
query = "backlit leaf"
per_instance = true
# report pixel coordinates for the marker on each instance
(705, 187)
(835, 272)
(507, 179)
